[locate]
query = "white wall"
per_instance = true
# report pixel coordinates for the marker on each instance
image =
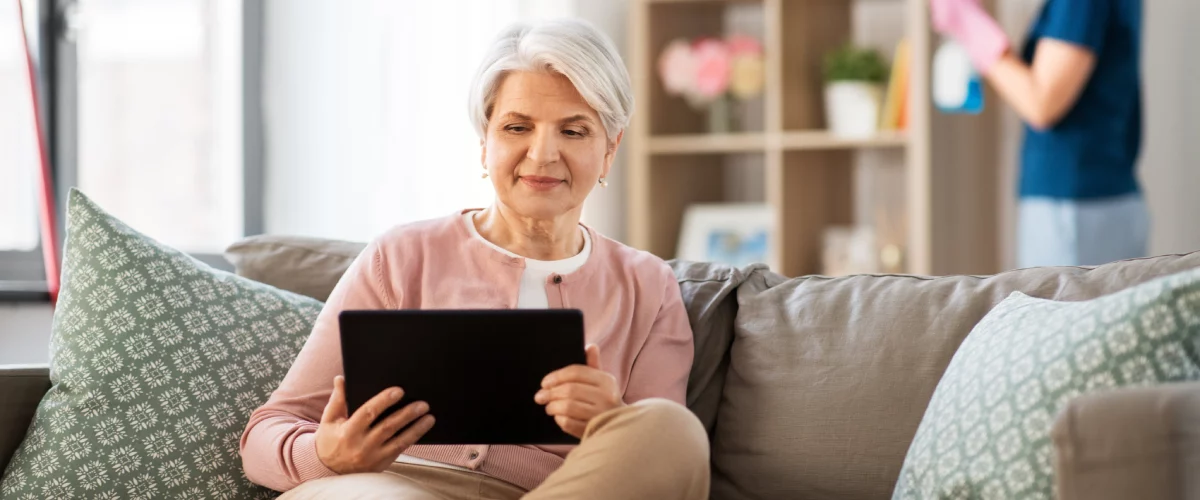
(366, 111)
(605, 209)
(25, 333)
(1171, 159)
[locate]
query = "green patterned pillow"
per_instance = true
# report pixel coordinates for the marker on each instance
(986, 433)
(156, 362)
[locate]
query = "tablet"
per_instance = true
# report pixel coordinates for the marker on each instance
(477, 369)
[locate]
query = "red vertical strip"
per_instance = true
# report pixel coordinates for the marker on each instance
(45, 184)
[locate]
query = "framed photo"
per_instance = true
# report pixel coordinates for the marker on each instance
(737, 234)
(849, 250)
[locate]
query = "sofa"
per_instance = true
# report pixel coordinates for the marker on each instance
(813, 387)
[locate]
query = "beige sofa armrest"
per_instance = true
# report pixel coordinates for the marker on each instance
(21, 389)
(1130, 443)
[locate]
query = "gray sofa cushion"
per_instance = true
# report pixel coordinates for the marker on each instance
(829, 378)
(1139, 443)
(707, 291)
(21, 388)
(307, 266)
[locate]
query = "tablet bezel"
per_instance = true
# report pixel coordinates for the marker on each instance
(486, 362)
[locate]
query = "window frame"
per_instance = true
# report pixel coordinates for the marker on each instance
(22, 278)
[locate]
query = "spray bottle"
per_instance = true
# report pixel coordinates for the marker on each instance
(957, 87)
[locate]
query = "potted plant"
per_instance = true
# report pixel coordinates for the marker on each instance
(854, 79)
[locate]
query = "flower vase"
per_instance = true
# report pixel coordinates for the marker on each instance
(720, 115)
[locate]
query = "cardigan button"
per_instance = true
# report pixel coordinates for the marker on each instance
(557, 280)
(474, 455)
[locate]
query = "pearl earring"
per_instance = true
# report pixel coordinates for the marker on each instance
(603, 183)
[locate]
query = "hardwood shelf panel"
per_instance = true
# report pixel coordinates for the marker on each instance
(758, 142)
(678, 181)
(809, 191)
(670, 21)
(703, 1)
(819, 139)
(749, 142)
(809, 29)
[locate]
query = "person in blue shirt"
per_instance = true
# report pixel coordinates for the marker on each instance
(1077, 86)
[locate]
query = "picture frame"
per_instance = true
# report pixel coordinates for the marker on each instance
(736, 234)
(849, 250)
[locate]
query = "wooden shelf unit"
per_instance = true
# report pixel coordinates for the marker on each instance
(809, 173)
(757, 142)
(749, 142)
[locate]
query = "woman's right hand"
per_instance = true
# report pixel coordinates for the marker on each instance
(348, 444)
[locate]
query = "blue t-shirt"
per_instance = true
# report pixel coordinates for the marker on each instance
(1092, 151)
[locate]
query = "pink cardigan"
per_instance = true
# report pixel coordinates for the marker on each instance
(631, 307)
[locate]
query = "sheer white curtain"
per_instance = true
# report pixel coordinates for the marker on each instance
(365, 107)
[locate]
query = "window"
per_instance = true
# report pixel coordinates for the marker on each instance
(20, 259)
(149, 110)
(18, 146)
(159, 117)
(380, 92)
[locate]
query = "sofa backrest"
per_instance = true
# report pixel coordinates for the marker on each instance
(811, 387)
(829, 378)
(298, 264)
(708, 292)
(21, 389)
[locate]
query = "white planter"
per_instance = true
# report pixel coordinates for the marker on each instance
(852, 108)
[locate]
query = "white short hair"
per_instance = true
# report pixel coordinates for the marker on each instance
(572, 48)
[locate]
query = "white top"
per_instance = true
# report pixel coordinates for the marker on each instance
(532, 295)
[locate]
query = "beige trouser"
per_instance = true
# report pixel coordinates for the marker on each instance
(654, 449)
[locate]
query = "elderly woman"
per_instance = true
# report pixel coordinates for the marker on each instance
(550, 104)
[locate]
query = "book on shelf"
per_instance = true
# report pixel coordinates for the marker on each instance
(895, 106)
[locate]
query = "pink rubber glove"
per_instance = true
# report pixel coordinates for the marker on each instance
(968, 24)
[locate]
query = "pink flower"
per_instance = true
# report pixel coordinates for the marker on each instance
(676, 68)
(747, 72)
(742, 45)
(747, 78)
(712, 62)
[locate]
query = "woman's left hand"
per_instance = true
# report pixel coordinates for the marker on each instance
(576, 394)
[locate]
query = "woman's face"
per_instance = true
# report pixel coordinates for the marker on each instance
(545, 148)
